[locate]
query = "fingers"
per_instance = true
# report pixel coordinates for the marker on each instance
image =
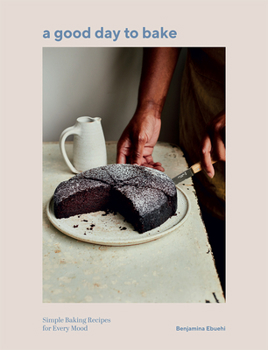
(156, 166)
(149, 163)
(122, 150)
(219, 150)
(136, 152)
(216, 131)
(121, 158)
(213, 144)
(219, 144)
(206, 157)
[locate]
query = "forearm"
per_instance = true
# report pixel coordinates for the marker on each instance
(137, 142)
(157, 70)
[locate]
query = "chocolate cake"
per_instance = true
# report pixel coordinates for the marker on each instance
(144, 196)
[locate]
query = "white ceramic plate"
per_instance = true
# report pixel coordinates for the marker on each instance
(112, 229)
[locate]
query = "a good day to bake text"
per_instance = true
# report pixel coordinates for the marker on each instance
(110, 34)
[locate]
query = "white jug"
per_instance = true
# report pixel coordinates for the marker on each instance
(89, 149)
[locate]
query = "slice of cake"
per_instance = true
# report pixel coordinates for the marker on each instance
(145, 208)
(144, 196)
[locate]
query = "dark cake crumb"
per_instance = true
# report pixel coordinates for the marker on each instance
(75, 226)
(109, 211)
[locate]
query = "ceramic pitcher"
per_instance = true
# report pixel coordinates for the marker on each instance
(89, 149)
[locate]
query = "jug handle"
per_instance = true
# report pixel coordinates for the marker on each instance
(72, 130)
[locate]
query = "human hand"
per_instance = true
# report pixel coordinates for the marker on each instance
(213, 144)
(137, 142)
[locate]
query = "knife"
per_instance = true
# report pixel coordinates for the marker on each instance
(189, 172)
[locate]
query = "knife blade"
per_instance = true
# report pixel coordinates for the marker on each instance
(189, 172)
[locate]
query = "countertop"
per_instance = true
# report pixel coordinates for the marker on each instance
(177, 268)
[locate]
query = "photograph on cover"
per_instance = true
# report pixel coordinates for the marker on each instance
(134, 175)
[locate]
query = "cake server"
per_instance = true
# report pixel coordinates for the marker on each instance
(189, 172)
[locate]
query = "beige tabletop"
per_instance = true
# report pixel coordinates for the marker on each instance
(176, 268)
